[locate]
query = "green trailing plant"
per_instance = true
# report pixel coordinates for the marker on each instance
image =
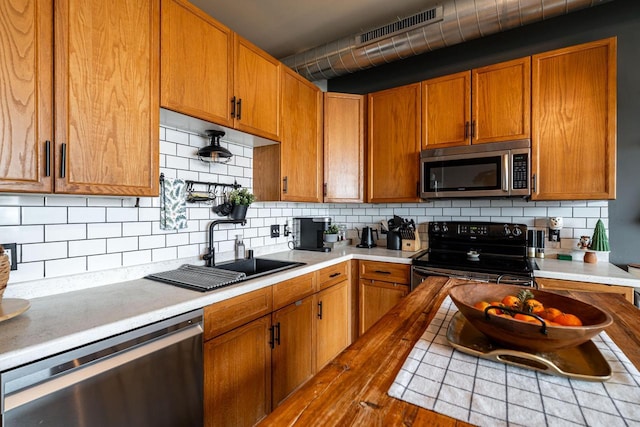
(241, 196)
(333, 229)
(599, 240)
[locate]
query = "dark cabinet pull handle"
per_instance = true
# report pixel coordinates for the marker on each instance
(271, 336)
(47, 158)
(382, 272)
(320, 310)
(324, 190)
(335, 274)
(233, 107)
(239, 108)
(277, 333)
(285, 182)
(473, 129)
(466, 129)
(63, 161)
(533, 184)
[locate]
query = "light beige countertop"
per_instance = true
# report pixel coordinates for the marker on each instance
(59, 322)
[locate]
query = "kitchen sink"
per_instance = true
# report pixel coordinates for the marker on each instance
(256, 267)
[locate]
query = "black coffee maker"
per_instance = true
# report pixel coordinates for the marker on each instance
(308, 233)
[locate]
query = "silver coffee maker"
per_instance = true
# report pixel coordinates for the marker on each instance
(308, 233)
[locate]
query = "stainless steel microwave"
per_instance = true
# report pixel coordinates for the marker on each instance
(500, 169)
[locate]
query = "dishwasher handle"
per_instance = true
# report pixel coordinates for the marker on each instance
(27, 395)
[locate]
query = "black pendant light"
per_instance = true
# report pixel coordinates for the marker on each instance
(214, 152)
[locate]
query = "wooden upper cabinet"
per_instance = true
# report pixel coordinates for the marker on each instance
(196, 63)
(344, 142)
(574, 122)
(301, 139)
(257, 90)
(27, 103)
(501, 98)
(107, 97)
(446, 111)
(394, 144)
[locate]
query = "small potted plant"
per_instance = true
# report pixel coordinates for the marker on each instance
(240, 199)
(331, 233)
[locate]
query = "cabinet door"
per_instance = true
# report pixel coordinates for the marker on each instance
(197, 63)
(293, 361)
(501, 100)
(394, 144)
(344, 164)
(301, 139)
(446, 111)
(571, 285)
(107, 96)
(257, 90)
(27, 95)
(332, 325)
(237, 376)
(376, 299)
(574, 122)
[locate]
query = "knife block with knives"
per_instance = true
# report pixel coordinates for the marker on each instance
(408, 233)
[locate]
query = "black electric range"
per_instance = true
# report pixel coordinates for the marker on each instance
(484, 251)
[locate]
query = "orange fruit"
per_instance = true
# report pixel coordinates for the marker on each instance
(496, 310)
(566, 319)
(481, 305)
(533, 306)
(511, 301)
(549, 313)
(525, 318)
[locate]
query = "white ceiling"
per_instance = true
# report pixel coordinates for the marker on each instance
(285, 27)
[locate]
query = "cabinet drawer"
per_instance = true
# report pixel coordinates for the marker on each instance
(329, 276)
(385, 271)
(292, 290)
(226, 315)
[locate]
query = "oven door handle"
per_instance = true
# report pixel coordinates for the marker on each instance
(505, 172)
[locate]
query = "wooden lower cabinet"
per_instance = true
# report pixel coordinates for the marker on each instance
(293, 355)
(263, 345)
(237, 375)
(571, 285)
(376, 299)
(333, 324)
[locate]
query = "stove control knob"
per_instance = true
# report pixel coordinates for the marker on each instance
(435, 227)
(507, 230)
(445, 228)
(516, 231)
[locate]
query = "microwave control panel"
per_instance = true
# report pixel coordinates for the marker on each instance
(520, 171)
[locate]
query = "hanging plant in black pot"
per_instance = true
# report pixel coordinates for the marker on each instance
(240, 200)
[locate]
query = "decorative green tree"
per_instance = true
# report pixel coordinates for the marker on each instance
(599, 240)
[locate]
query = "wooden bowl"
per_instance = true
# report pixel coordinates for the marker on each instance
(536, 337)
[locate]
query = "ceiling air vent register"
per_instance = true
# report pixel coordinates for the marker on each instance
(412, 22)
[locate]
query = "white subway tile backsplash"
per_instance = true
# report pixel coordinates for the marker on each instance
(43, 251)
(104, 262)
(60, 235)
(87, 247)
(152, 242)
(62, 232)
(38, 215)
(22, 233)
(86, 215)
(136, 257)
(122, 244)
(65, 267)
(136, 229)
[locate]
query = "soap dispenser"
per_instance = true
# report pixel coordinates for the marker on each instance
(240, 249)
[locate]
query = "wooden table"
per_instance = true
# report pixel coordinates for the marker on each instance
(352, 389)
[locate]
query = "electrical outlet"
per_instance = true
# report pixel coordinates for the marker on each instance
(11, 250)
(275, 231)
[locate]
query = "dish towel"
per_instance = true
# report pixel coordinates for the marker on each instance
(483, 392)
(173, 204)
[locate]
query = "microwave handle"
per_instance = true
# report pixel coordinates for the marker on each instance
(505, 172)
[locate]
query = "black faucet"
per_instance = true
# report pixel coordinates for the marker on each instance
(210, 258)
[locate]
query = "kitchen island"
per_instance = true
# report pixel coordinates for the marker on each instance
(352, 389)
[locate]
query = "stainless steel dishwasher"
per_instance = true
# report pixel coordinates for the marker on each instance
(151, 376)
